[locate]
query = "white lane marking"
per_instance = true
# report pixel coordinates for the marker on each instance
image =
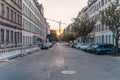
(61, 55)
(49, 74)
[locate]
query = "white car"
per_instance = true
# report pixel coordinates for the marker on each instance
(78, 45)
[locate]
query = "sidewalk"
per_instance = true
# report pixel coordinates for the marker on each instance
(10, 54)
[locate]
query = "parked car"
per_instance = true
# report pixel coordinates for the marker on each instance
(49, 44)
(75, 44)
(72, 44)
(90, 49)
(44, 46)
(79, 45)
(104, 49)
(85, 46)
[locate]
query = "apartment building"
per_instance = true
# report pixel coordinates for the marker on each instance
(85, 12)
(68, 29)
(101, 32)
(10, 23)
(46, 32)
(33, 23)
(22, 27)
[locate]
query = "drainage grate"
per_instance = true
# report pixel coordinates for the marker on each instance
(68, 72)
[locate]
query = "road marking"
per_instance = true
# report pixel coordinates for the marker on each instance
(66, 71)
(61, 55)
(49, 74)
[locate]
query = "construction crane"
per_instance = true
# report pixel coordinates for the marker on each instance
(59, 22)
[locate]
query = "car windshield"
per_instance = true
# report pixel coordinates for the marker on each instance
(45, 44)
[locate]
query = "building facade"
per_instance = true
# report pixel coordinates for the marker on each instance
(47, 32)
(68, 29)
(10, 23)
(101, 33)
(33, 23)
(22, 27)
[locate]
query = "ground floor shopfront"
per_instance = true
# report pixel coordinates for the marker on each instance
(14, 42)
(10, 37)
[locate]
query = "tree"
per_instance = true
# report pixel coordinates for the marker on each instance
(83, 27)
(111, 18)
(69, 37)
(53, 35)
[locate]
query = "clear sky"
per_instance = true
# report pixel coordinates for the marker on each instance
(63, 10)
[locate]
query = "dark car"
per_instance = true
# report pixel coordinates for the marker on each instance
(104, 49)
(44, 46)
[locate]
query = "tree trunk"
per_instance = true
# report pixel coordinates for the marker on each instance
(117, 46)
(83, 39)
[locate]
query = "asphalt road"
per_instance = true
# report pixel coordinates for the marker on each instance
(48, 65)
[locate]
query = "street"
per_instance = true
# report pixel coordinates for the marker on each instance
(49, 64)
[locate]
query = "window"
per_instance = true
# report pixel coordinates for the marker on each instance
(105, 1)
(7, 36)
(12, 36)
(17, 2)
(106, 38)
(102, 2)
(102, 27)
(2, 35)
(14, 16)
(16, 38)
(20, 3)
(20, 37)
(2, 10)
(99, 5)
(105, 27)
(18, 18)
(109, 39)
(7, 15)
(11, 15)
(102, 38)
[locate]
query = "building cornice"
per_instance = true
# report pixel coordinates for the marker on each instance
(6, 22)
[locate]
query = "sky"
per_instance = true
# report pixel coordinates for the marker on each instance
(61, 10)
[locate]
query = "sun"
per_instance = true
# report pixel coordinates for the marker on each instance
(58, 33)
